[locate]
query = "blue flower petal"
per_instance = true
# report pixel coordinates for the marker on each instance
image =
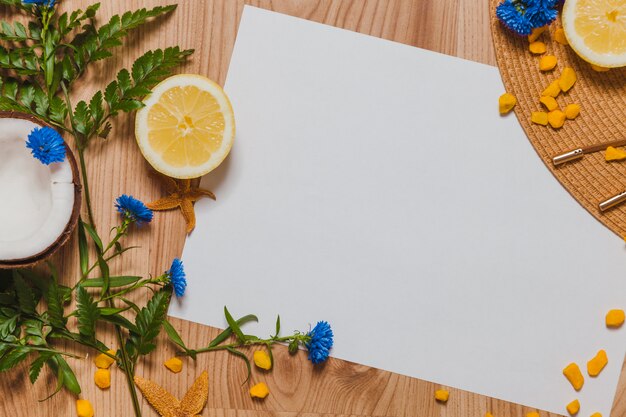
(133, 209)
(46, 145)
(177, 276)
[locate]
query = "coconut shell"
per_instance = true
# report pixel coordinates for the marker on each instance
(71, 225)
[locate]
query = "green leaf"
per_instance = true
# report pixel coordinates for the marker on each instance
(82, 118)
(149, 321)
(36, 365)
(8, 326)
(228, 331)
(121, 321)
(95, 107)
(66, 375)
(94, 236)
(110, 311)
(83, 249)
(277, 325)
(173, 335)
(88, 313)
(25, 296)
(245, 359)
(234, 326)
(54, 299)
(114, 282)
(14, 357)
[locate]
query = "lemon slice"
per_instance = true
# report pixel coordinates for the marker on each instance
(596, 30)
(187, 127)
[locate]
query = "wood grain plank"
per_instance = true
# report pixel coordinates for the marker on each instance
(340, 388)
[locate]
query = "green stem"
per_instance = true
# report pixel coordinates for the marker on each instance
(267, 342)
(83, 172)
(128, 370)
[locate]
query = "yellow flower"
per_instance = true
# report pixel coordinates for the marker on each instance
(84, 408)
(103, 361)
(102, 378)
(260, 390)
(174, 364)
(442, 395)
(262, 360)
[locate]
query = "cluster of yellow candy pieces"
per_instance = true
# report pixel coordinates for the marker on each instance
(102, 378)
(263, 361)
(614, 319)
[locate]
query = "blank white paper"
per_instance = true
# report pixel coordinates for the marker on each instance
(374, 185)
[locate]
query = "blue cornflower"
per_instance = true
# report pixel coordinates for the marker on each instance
(320, 343)
(176, 275)
(49, 3)
(133, 209)
(46, 145)
(542, 12)
(522, 16)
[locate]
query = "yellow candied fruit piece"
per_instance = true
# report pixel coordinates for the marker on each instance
(549, 102)
(442, 395)
(552, 90)
(596, 415)
(568, 78)
(506, 102)
(174, 364)
(556, 118)
(260, 390)
(102, 378)
(613, 154)
(536, 33)
(573, 407)
(537, 48)
(539, 117)
(532, 414)
(597, 363)
(488, 414)
(559, 36)
(574, 376)
(84, 408)
(572, 111)
(262, 360)
(615, 318)
(103, 361)
(598, 68)
(547, 63)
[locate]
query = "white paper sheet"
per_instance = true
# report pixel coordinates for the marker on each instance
(374, 185)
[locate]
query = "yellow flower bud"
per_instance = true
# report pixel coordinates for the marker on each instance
(537, 47)
(574, 376)
(262, 360)
(84, 408)
(442, 395)
(573, 407)
(260, 390)
(597, 364)
(174, 364)
(506, 102)
(559, 36)
(615, 318)
(103, 361)
(102, 378)
(567, 79)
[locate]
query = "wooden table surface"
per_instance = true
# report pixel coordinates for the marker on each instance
(454, 27)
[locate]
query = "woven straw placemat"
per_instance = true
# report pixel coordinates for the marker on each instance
(602, 97)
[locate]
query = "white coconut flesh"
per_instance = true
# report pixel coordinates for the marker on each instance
(36, 200)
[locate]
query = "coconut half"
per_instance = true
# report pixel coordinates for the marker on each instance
(39, 204)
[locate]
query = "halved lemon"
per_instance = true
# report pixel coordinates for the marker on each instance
(596, 30)
(187, 127)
